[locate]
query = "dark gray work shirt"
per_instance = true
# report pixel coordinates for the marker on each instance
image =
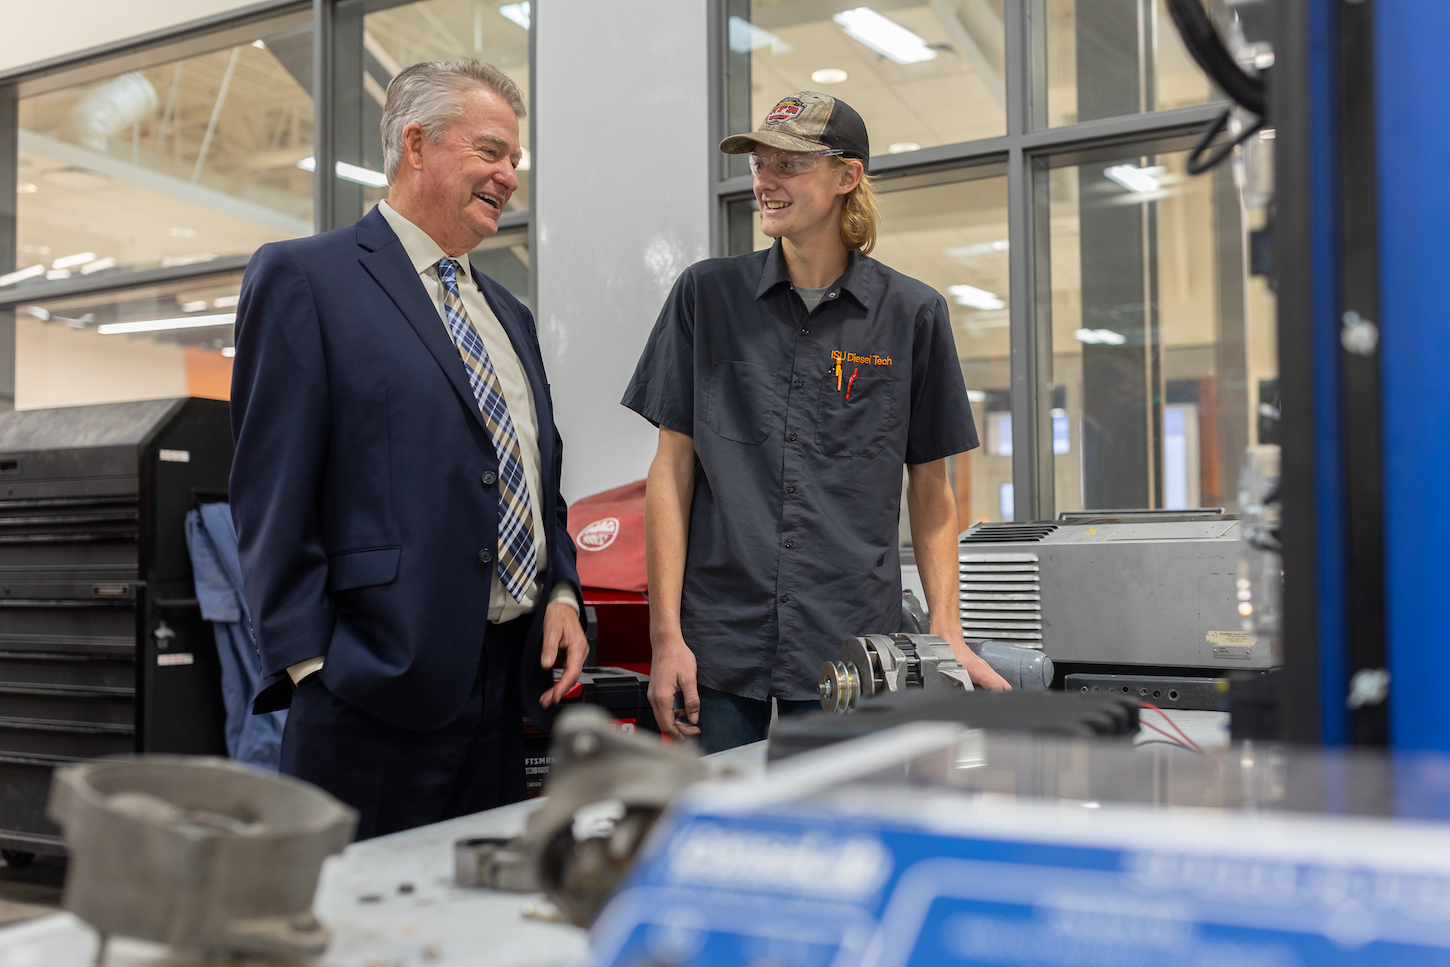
(793, 528)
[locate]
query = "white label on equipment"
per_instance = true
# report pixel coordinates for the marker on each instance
(1238, 639)
(598, 535)
(175, 456)
(175, 658)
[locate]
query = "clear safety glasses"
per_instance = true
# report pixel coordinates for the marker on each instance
(788, 164)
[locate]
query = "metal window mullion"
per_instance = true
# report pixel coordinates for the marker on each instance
(533, 222)
(324, 150)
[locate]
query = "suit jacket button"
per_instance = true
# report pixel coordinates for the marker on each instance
(489, 478)
(485, 555)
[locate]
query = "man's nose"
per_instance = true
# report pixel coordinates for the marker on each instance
(509, 178)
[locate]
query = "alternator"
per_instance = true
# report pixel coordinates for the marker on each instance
(873, 664)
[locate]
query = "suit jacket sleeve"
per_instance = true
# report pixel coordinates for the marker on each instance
(280, 424)
(563, 555)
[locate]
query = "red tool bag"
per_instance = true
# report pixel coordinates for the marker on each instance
(608, 530)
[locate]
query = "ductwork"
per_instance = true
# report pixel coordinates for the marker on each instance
(108, 109)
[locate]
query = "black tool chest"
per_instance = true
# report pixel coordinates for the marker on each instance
(102, 645)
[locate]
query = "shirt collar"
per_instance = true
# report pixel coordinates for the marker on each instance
(422, 251)
(853, 281)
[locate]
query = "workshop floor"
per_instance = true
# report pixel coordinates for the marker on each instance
(30, 891)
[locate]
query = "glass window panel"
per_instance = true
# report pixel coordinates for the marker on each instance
(392, 37)
(505, 259)
(920, 73)
(140, 343)
(953, 237)
(1164, 352)
(1107, 58)
(176, 163)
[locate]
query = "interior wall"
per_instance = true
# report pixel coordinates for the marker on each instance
(34, 33)
(621, 205)
(71, 367)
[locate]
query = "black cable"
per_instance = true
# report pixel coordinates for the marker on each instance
(1197, 164)
(1176, 745)
(1207, 48)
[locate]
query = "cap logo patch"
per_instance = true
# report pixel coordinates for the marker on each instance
(787, 110)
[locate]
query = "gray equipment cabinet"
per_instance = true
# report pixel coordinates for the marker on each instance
(102, 645)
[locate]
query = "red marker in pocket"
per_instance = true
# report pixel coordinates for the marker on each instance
(850, 381)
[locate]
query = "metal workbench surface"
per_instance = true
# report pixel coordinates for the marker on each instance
(390, 902)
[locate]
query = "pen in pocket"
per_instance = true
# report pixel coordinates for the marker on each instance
(851, 381)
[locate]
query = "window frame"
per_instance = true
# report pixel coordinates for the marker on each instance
(190, 38)
(1027, 150)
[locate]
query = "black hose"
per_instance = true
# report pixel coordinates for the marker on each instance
(1198, 164)
(1207, 48)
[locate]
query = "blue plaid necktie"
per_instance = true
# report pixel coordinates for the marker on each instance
(517, 555)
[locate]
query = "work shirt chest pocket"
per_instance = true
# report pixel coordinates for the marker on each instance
(858, 426)
(741, 406)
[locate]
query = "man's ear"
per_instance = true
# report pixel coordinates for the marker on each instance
(413, 140)
(851, 174)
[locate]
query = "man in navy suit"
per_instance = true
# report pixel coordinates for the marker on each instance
(396, 481)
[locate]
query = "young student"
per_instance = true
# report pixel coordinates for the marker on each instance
(790, 387)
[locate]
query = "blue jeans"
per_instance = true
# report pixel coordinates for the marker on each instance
(727, 721)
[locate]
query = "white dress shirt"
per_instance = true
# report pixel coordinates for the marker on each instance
(425, 255)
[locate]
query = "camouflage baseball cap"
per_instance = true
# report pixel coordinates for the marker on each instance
(807, 122)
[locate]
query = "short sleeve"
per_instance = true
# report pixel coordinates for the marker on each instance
(662, 389)
(941, 415)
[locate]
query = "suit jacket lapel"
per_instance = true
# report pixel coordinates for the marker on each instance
(390, 267)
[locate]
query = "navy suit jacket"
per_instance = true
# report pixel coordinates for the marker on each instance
(358, 484)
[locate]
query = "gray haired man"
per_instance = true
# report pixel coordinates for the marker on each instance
(396, 480)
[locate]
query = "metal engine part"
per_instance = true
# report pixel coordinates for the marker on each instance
(200, 853)
(1025, 669)
(605, 791)
(872, 664)
(494, 863)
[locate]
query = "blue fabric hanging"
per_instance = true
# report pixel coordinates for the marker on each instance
(212, 540)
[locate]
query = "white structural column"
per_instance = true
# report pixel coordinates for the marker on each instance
(622, 207)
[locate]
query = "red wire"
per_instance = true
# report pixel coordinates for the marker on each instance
(1175, 725)
(1169, 735)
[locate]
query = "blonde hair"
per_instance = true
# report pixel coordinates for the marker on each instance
(859, 217)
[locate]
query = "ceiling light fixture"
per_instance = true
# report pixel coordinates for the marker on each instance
(184, 232)
(229, 351)
(1133, 178)
(195, 306)
(829, 75)
(526, 160)
(975, 298)
(158, 325)
(901, 147)
(55, 275)
(259, 44)
(71, 261)
(26, 187)
(353, 173)
(883, 35)
(20, 275)
(519, 13)
(225, 302)
(1100, 337)
(969, 253)
(746, 38)
(98, 265)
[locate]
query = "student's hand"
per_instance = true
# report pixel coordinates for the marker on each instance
(672, 672)
(562, 630)
(982, 674)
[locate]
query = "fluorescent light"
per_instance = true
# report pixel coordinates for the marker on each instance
(157, 325)
(98, 265)
(829, 75)
(526, 160)
(975, 298)
(517, 12)
(1137, 179)
(347, 172)
(195, 306)
(901, 147)
(26, 187)
(746, 38)
(20, 275)
(43, 314)
(969, 253)
(184, 232)
(71, 261)
(976, 396)
(1100, 337)
(54, 275)
(259, 44)
(225, 302)
(887, 37)
(229, 351)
